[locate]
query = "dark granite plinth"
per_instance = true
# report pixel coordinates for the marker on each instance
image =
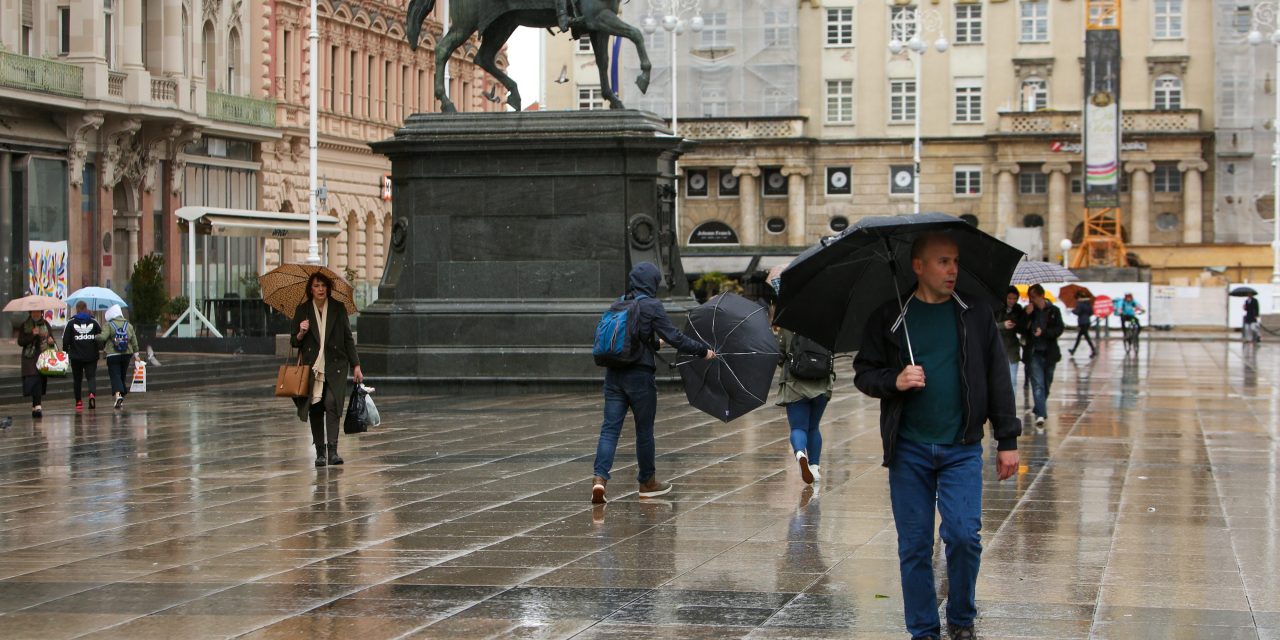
(512, 232)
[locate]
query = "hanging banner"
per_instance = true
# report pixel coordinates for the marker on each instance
(47, 275)
(1102, 119)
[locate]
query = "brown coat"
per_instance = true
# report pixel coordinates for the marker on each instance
(25, 337)
(340, 355)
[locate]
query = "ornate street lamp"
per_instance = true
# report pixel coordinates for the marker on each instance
(926, 21)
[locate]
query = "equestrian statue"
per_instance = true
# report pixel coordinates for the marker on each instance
(496, 20)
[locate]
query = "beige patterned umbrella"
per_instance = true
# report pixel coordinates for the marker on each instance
(36, 303)
(285, 287)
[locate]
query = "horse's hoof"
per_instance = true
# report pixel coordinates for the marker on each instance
(514, 101)
(642, 81)
(448, 107)
(616, 104)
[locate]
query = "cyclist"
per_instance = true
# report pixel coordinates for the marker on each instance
(1129, 310)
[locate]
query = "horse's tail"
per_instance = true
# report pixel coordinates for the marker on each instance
(417, 13)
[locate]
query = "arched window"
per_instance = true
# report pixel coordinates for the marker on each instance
(233, 62)
(207, 52)
(1168, 93)
(1035, 94)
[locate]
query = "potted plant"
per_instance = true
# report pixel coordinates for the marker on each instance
(147, 296)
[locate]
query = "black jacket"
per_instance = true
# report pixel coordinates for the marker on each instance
(1009, 337)
(1251, 310)
(984, 374)
(1050, 322)
(1084, 313)
(80, 338)
(654, 323)
(340, 355)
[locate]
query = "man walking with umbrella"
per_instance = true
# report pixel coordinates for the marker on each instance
(938, 365)
(635, 387)
(1252, 313)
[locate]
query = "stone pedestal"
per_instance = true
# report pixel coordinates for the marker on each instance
(511, 234)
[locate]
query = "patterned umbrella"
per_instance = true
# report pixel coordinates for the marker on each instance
(285, 287)
(35, 303)
(1036, 272)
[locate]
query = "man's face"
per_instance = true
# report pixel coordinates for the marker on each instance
(1037, 299)
(937, 267)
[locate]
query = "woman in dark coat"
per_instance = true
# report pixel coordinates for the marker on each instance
(35, 337)
(322, 331)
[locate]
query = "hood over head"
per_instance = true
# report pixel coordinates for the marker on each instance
(113, 312)
(645, 279)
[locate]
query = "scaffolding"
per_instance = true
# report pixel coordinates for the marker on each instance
(1243, 109)
(1103, 243)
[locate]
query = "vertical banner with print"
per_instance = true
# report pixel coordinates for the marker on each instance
(1102, 118)
(47, 274)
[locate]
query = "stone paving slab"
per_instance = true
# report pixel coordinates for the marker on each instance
(1145, 509)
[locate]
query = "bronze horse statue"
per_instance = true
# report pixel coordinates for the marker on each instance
(496, 20)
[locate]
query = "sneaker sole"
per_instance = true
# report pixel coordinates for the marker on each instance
(805, 473)
(654, 494)
(597, 494)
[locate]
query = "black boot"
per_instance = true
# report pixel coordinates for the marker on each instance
(333, 454)
(320, 456)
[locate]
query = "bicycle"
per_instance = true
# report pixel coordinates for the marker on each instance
(1132, 330)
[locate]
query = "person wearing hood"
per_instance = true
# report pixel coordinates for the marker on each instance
(35, 337)
(635, 387)
(120, 342)
(80, 340)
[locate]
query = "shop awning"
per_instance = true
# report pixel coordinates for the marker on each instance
(248, 223)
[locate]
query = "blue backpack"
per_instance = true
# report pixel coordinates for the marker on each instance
(121, 338)
(618, 342)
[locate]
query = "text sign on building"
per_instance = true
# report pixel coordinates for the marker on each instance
(713, 232)
(1102, 118)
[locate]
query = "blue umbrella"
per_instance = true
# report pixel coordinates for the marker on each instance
(98, 298)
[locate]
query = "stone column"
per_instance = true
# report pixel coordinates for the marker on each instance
(173, 38)
(1140, 201)
(748, 205)
(1006, 197)
(1192, 200)
(1057, 226)
(796, 218)
(131, 35)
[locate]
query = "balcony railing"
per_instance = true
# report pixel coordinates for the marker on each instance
(228, 108)
(38, 74)
(1068, 122)
(733, 129)
(164, 91)
(115, 83)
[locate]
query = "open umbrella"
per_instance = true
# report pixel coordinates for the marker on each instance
(1073, 292)
(832, 288)
(1036, 272)
(285, 287)
(98, 298)
(1243, 292)
(739, 378)
(35, 303)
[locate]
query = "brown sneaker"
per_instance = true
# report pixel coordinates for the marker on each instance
(597, 490)
(654, 488)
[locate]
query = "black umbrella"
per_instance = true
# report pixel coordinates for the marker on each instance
(738, 379)
(832, 288)
(1242, 292)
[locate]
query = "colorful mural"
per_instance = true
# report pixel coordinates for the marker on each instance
(47, 274)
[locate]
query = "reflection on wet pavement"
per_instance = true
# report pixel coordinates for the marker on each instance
(1146, 508)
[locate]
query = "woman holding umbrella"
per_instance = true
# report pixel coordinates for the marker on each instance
(322, 331)
(35, 337)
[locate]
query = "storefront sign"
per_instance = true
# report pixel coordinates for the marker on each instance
(713, 232)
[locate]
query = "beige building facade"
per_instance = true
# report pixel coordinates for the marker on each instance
(999, 117)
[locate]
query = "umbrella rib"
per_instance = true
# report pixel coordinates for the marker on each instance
(739, 381)
(739, 324)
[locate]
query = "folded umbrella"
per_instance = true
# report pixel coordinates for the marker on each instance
(830, 291)
(35, 303)
(738, 379)
(98, 298)
(285, 287)
(1242, 292)
(1072, 293)
(1037, 272)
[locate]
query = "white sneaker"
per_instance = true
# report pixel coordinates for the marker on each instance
(1039, 420)
(806, 472)
(814, 469)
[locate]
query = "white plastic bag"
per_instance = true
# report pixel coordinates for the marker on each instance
(139, 377)
(372, 418)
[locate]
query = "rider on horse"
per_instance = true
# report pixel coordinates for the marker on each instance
(565, 14)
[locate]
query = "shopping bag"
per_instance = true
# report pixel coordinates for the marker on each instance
(294, 380)
(139, 377)
(354, 422)
(371, 416)
(53, 363)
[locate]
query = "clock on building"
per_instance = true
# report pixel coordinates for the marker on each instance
(696, 183)
(728, 183)
(901, 179)
(838, 182)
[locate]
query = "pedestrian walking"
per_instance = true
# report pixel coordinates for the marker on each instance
(35, 336)
(322, 332)
(80, 340)
(1041, 331)
(1009, 319)
(1252, 317)
(804, 389)
(635, 388)
(932, 433)
(120, 341)
(1083, 312)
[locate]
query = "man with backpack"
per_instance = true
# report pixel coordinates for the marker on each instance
(80, 339)
(120, 343)
(625, 345)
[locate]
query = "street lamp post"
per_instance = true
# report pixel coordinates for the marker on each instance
(313, 243)
(926, 21)
(672, 14)
(1065, 245)
(1264, 15)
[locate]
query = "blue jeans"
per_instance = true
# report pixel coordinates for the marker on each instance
(804, 416)
(632, 388)
(950, 477)
(1040, 373)
(1013, 374)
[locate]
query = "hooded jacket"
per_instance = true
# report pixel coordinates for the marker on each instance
(80, 338)
(984, 378)
(106, 339)
(644, 280)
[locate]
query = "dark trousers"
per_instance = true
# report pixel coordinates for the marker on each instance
(324, 414)
(82, 370)
(35, 386)
(636, 389)
(1082, 332)
(120, 368)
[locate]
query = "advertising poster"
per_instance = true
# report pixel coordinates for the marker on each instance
(1102, 119)
(47, 274)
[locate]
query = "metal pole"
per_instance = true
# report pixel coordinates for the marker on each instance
(1275, 171)
(915, 155)
(313, 245)
(675, 129)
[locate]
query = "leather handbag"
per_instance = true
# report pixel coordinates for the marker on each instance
(294, 380)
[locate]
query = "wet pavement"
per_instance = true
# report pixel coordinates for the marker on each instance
(1146, 508)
